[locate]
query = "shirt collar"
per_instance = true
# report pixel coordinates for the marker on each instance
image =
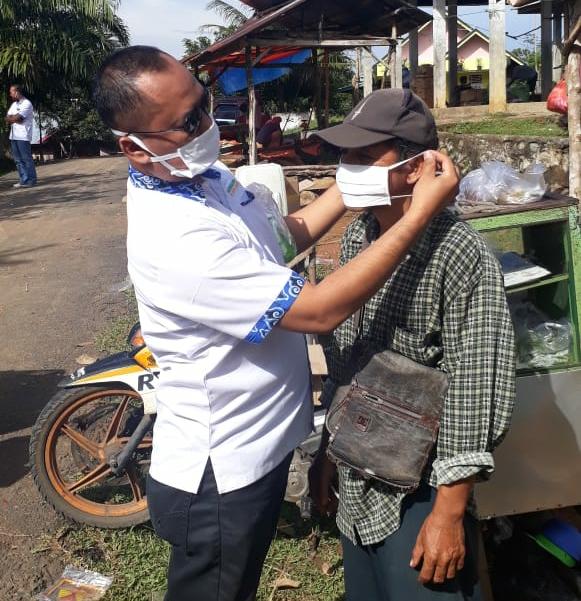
(191, 189)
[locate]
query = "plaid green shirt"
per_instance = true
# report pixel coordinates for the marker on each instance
(444, 306)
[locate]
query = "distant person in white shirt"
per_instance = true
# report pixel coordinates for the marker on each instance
(19, 117)
(224, 318)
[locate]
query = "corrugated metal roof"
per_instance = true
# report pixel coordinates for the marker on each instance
(326, 19)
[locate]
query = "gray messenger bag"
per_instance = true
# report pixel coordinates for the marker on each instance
(385, 423)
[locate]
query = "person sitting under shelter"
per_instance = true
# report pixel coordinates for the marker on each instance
(270, 134)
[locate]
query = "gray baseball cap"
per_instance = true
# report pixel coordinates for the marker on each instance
(385, 115)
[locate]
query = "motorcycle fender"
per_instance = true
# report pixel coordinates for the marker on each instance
(120, 368)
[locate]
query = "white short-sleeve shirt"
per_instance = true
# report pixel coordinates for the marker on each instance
(23, 130)
(211, 286)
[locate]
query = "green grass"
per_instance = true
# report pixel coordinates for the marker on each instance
(113, 338)
(539, 126)
(137, 559)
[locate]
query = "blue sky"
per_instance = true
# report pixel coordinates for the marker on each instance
(164, 23)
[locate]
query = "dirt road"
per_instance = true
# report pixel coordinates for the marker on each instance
(62, 269)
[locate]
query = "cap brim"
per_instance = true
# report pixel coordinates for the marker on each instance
(346, 135)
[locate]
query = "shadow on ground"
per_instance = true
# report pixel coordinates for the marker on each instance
(60, 189)
(23, 394)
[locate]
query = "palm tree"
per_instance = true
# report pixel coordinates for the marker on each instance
(55, 44)
(233, 16)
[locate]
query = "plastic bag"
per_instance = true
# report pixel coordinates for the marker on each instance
(286, 241)
(497, 183)
(557, 102)
(77, 585)
(541, 342)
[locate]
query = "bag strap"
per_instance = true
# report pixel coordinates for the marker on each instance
(359, 315)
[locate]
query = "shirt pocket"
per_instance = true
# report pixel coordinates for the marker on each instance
(424, 348)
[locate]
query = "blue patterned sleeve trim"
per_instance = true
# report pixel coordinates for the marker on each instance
(284, 301)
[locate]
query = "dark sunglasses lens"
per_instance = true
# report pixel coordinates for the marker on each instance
(193, 121)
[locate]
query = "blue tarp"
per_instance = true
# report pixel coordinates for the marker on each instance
(234, 78)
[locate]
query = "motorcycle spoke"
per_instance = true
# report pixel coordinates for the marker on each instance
(93, 476)
(113, 428)
(81, 441)
(134, 483)
(146, 443)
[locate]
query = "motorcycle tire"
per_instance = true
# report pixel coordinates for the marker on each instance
(61, 444)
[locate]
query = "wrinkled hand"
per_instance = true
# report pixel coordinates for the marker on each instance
(322, 476)
(434, 192)
(440, 548)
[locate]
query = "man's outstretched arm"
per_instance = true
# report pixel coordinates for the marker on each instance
(322, 307)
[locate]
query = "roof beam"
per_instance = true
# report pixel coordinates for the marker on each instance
(313, 42)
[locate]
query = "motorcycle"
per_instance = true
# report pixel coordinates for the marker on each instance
(90, 447)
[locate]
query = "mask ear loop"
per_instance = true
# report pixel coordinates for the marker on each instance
(156, 158)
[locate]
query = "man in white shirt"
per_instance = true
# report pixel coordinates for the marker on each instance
(223, 316)
(19, 117)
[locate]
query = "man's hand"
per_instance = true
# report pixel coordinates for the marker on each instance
(433, 192)
(439, 548)
(322, 477)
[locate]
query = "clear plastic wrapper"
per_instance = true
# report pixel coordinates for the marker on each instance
(496, 183)
(541, 342)
(265, 198)
(77, 584)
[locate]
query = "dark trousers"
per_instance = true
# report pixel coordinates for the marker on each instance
(219, 542)
(381, 572)
(22, 155)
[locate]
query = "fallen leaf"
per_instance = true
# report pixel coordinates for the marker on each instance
(324, 566)
(85, 360)
(284, 583)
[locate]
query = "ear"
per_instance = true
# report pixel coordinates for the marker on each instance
(415, 169)
(133, 152)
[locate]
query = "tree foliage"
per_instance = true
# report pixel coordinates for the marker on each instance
(233, 16)
(54, 47)
(532, 58)
(74, 124)
(50, 46)
(293, 92)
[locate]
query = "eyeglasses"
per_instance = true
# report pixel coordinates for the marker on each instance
(191, 122)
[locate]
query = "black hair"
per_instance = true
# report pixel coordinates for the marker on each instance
(115, 90)
(407, 149)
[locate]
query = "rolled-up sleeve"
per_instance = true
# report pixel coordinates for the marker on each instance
(479, 357)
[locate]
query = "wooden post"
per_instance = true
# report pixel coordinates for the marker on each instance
(557, 39)
(497, 87)
(546, 48)
(327, 86)
(413, 47)
(357, 76)
(397, 61)
(252, 153)
(439, 37)
(317, 90)
(452, 52)
(574, 101)
(367, 73)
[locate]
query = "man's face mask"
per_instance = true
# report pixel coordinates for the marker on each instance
(365, 186)
(198, 154)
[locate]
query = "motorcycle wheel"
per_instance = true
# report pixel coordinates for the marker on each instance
(72, 441)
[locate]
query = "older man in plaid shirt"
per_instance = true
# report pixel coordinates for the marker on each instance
(445, 307)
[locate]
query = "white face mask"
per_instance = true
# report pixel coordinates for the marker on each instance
(197, 155)
(365, 186)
